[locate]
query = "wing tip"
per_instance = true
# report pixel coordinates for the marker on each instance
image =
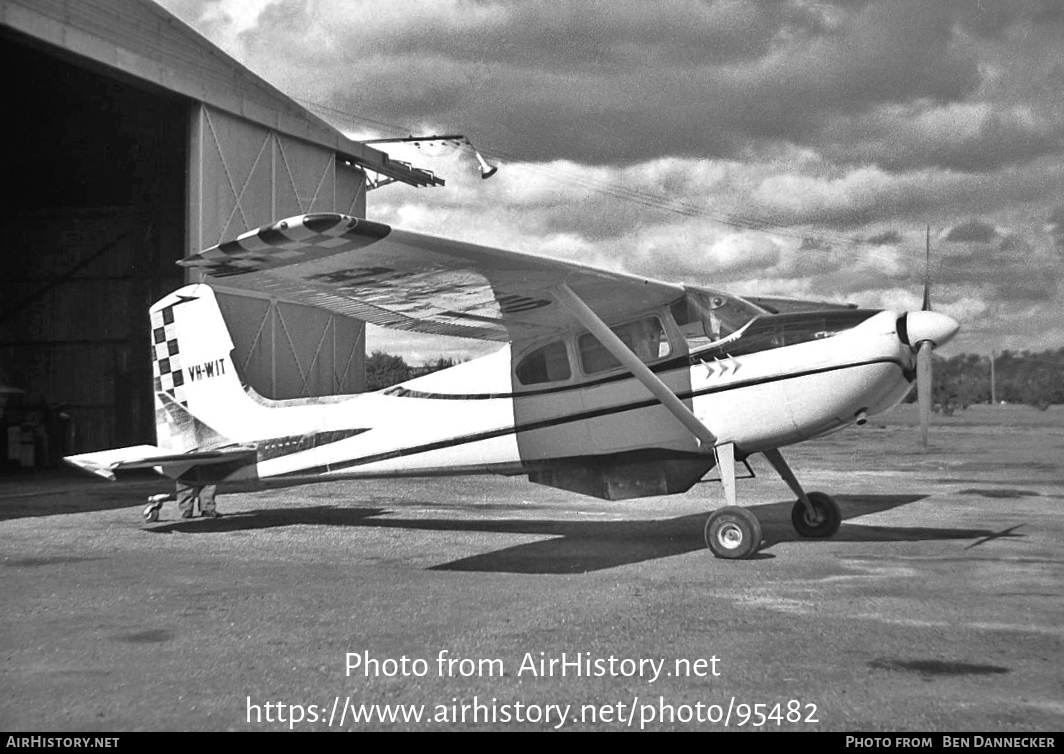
(104, 472)
(255, 249)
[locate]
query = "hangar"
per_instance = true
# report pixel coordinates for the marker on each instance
(132, 142)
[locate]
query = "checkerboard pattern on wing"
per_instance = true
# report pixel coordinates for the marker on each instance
(297, 239)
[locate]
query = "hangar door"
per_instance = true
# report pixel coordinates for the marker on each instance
(94, 166)
(242, 176)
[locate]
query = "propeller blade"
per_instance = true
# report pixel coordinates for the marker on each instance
(923, 387)
(927, 274)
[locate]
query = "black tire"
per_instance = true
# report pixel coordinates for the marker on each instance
(828, 520)
(733, 533)
(151, 514)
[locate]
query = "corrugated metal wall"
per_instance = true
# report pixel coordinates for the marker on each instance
(136, 141)
(78, 284)
(290, 351)
(242, 176)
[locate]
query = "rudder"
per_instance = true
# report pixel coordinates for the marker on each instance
(192, 365)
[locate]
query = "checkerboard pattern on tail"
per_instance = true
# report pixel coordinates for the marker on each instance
(167, 376)
(195, 383)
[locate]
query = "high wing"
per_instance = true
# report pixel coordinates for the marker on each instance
(410, 281)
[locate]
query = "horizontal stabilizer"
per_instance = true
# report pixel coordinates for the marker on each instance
(106, 462)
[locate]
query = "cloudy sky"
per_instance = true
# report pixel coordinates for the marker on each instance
(791, 147)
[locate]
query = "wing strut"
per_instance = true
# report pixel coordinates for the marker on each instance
(573, 303)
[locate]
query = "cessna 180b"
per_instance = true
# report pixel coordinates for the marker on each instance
(608, 384)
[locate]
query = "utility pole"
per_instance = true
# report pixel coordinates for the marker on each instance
(993, 381)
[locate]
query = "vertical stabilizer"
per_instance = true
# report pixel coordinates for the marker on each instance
(193, 370)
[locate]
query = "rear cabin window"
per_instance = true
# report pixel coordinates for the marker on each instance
(646, 337)
(547, 364)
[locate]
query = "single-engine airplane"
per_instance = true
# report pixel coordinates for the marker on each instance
(608, 384)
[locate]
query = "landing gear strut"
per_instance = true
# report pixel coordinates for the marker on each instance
(816, 515)
(732, 532)
(735, 533)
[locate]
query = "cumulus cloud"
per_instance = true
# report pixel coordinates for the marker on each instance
(964, 136)
(885, 238)
(607, 82)
(973, 230)
(790, 147)
(1056, 226)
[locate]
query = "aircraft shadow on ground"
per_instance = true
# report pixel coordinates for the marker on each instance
(582, 546)
(75, 492)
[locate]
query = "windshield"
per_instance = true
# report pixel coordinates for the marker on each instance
(706, 316)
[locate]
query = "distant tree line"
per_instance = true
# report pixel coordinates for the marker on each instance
(1035, 379)
(385, 369)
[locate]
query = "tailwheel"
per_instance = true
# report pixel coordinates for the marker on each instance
(155, 504)
(822, 522)
(733, 533)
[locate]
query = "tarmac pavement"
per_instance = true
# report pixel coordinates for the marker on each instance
(937, 607)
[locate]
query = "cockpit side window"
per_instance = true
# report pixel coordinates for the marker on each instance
(547, 364)
(646, 337)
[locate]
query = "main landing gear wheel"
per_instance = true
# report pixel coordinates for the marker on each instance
(823, 524)
(733, 533)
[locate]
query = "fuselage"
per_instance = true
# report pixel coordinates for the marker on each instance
(781, 380)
